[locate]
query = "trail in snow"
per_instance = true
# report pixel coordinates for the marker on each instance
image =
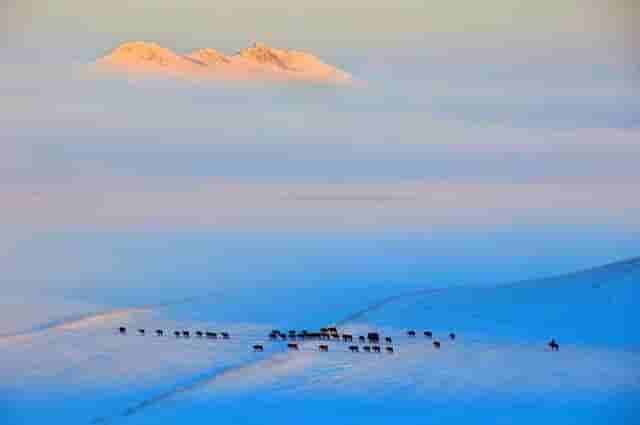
(197, 382)
(79, 319)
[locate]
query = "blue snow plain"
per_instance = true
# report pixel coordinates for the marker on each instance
(497, 370)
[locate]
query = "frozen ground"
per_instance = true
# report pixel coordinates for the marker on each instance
(74, 368)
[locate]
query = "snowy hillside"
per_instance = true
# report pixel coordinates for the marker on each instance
(498, 369)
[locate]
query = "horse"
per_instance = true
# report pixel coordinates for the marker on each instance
(323, 348)
(258, 348)
(554, 345)
(211, 335)
(186, 334)
(159, 332)
(347, 338)
(436, 344)
(366, 348)
(411, 333)
(361, 339)
(333, 330)
(376, 348)
(428, 334)
(293, 347)
(122, 330)
(177, 334)
(388, 340)
(353, 348)
(224, 335)
(141, 331)
(389, 350)
(373, 337)
(199, 334)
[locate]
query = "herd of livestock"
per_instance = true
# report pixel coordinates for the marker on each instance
(369, 343)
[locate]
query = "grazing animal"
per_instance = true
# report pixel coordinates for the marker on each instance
(275, 331)
(273, 335)
(411, 333)
(366, 348)
(324, 330)
(258, 347)
(141, 331)
(302, 335)
(388, 340)
(333, 330)
(376, 348)
(361, 339)
(452, 336)
(554, 345)
(159, 332)
(283, 337)
(293, 347)
(323, 348)
(177, 334)
(347, 338)
(436, 344)
(428, 334)
(212, 335)
(225, 335)
(186, 334)
(199, 334)
(389, 350)
(353, 348)
(373, 337)
(122, 330)
(324, 335)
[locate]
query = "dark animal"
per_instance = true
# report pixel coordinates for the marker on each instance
(176, 333)
(325, 336)
(376, 348)
(275, 331)
(283, 337)
(347, 337)
(324, 330)
(323, 348)
(333, 330)
(389, 350)
(366, 348)
(292, 333)
(224, 335)
(436, 344)
(452, 336)
(273, 335)
(141, 331)
(554, 345)
(302, 335)
(212, 335)
(186, 334)
(122, 330)
(373, 337)
(258, 347)
(388, 340)
(199, 334)
(293, 347)
(428, 334)
(159, 332)
(361, 339)
(353, 348)
(411, 333)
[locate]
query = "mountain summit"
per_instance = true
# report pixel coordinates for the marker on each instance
(256, 63)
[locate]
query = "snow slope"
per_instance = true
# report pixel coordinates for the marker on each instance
(498, 370)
